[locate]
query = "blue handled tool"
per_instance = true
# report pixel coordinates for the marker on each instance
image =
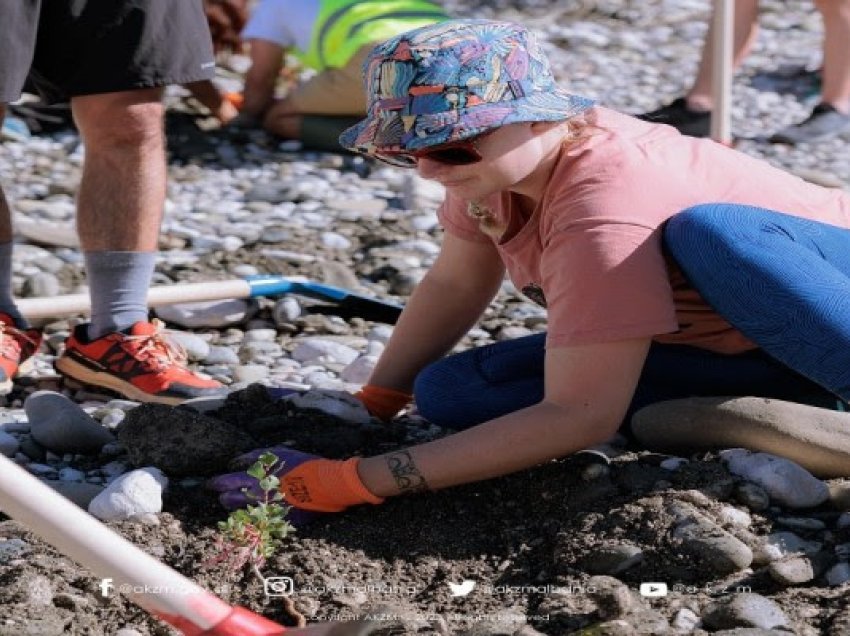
(366, 307)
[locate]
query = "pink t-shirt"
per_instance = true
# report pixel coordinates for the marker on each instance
(591, 252)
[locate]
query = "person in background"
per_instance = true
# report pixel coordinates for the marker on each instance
(331, 38)
(593, 214)
(226, 19)
(111, 59)
(691, 114)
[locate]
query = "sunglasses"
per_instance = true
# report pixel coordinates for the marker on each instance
(459, 153)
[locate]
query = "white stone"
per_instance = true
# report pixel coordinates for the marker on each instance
(286, 310)
(335, 241)
(787, 543)
(380, 333)
(734, 516)
(312, 350)
(685, 621)
(250, 373)
(359, 371)
(260, 335)
(214, 313)
(196, 348)
(784, 481)
(135, 494)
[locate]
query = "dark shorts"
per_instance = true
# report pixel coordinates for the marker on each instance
(65, 48)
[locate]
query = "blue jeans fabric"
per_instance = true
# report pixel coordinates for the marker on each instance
(783, 281)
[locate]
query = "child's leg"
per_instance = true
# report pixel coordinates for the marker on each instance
(480, 384)
(783, 281)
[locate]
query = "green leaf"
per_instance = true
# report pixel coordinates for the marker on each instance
(266, 484)
(268, 459)
(257, 471)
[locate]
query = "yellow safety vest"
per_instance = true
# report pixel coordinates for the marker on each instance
(344, 26)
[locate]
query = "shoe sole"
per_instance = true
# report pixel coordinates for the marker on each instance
(86, 376)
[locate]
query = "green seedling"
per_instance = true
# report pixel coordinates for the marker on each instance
(251, 535)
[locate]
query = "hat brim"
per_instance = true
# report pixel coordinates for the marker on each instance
(373, 133)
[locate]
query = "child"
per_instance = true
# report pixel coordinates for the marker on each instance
(330, 37)
(571, 199)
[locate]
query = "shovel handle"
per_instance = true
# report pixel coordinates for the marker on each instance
(251, 287)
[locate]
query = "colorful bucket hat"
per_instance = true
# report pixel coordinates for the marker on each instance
(454, 80)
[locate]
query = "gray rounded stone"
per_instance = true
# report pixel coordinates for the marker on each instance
(744, 610)
(81, 493)
(792, 571)
(61, 426)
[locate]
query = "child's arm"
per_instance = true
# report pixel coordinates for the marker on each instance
(588, 390)
(444, 306)
(260, 80)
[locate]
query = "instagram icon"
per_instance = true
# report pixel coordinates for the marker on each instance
(278, 585)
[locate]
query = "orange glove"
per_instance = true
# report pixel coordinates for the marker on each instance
(381, 402)
(326, 485)
(307, 482)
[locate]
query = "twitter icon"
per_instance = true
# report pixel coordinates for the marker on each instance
(462, 589)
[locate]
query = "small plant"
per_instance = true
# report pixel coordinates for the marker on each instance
(251, 535)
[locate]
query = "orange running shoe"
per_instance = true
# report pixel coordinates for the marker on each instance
(16, 347)
(140, 364)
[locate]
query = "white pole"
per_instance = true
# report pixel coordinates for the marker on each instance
(39, 308)
(721, 80)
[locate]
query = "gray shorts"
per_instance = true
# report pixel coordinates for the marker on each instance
(65, 48)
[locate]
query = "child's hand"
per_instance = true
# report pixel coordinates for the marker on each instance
(226, 19)
(381, 402)
(308, 483)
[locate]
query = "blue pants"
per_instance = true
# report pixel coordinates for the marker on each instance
(784, 282)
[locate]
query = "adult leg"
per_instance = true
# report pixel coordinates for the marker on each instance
(120, 202)
(483, 383)
(18, 29)
(831, 116)
(5, 213)
(691, 114)
(783, 281)
(836, 53)
(744, 35)
(18, 32)
(7, 301)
